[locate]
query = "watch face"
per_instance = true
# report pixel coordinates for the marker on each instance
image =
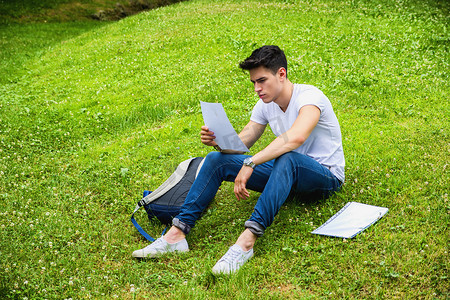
(248, 162)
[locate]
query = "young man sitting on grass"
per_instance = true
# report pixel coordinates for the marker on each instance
(306, 157)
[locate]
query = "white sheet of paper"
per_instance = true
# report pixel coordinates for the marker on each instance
(353, 218)
(217, 121)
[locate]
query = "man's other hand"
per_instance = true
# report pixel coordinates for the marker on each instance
(241, 181)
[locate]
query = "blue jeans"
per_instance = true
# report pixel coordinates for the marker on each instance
(275, 180)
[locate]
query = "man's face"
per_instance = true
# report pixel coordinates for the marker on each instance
(268, 86)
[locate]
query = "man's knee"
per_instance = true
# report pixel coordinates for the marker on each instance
(214, 157)
(219, 158)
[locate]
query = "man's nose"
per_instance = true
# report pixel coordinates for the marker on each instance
(257, 87)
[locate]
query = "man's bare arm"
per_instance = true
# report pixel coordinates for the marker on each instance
(307, 119)
(251, 133)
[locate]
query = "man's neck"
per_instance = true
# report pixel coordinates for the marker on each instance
(285, 95)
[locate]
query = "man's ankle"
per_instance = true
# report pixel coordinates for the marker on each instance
(245, 246)
(246, 240)
(174, 235)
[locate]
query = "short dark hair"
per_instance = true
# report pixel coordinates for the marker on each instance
(270, 57)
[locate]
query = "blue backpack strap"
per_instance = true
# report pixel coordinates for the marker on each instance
(141, 231)
(138, 227)
(135, 223)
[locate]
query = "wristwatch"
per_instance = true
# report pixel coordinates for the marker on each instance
(249, 162)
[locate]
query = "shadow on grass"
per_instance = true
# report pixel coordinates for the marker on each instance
(22, 43)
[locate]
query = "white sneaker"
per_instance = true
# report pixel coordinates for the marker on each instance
(159, 247)
(232, 260)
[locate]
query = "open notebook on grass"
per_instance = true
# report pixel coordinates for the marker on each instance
(352, 219)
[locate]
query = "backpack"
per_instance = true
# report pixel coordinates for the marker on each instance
(165, 202)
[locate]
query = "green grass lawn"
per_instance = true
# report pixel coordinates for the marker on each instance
(92, 114)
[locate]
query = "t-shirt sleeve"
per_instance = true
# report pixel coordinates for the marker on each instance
(312, 97)
(258, 114)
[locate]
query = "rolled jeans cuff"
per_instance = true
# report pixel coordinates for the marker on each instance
(256, 228)
(182, 226)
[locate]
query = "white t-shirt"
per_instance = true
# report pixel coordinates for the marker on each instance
(325, 142)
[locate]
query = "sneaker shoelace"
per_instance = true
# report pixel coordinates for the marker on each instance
(156, 244)
(231, 256)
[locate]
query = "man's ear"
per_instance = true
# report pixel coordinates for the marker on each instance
(282, 73)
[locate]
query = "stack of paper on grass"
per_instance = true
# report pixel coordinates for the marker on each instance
(353, 218)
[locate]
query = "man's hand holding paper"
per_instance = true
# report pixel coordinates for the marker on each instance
(218, 129)
(207, 136)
